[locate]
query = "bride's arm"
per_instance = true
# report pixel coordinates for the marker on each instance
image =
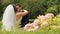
(22, 13)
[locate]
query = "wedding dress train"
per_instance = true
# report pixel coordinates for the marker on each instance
(9, 18)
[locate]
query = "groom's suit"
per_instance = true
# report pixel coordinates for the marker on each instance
(25, 20)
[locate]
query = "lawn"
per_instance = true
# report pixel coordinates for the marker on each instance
(21, 31)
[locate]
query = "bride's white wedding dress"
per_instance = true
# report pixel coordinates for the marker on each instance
(9, 18)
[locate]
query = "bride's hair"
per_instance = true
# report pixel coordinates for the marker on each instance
(14, 7)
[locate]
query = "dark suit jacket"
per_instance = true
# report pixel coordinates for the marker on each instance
(25, 20)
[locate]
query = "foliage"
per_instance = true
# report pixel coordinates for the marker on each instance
(43, 22)
(35, 7)
(53, 9)
(52, 28)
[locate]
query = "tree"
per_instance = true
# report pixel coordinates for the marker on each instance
(1, 10)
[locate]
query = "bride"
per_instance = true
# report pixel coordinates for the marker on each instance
(11, 14)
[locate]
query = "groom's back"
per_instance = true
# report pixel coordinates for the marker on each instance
(25, 20)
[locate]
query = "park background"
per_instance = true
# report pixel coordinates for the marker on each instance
(35, 8)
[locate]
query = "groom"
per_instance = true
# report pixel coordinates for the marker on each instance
(25, 17)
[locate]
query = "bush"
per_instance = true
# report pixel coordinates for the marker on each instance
(48, 21)
(35, 7)
(53, 9)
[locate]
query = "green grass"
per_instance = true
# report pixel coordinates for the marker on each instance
(21, 31)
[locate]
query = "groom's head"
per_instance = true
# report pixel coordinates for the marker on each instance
(18, 7)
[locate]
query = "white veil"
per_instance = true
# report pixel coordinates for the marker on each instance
(9, 18)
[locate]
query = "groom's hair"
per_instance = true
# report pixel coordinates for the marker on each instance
(17, 4)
